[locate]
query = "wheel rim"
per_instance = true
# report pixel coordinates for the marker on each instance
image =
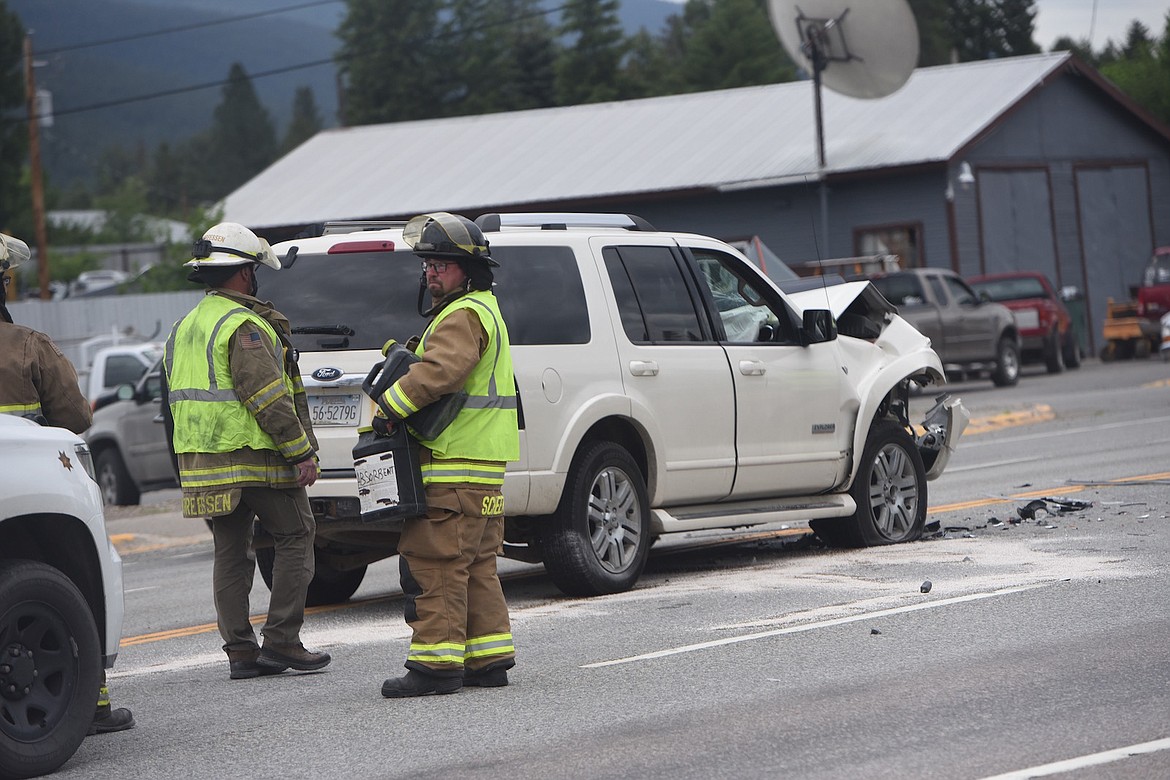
(615, 528)
(108, 484)
(893, 493)
(1011, 364)
(38, 672)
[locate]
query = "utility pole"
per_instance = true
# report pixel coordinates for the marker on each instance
(38, 187)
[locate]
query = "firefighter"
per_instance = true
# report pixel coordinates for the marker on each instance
(447, 559)
(238, 421)
(38, 382)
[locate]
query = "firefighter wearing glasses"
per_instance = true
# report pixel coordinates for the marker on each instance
(454, 602)
(238, 421)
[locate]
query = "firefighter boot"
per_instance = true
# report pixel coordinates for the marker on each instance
(245, 665)
(292, 657)
(415, 683)
(494, 676)
(107, 720)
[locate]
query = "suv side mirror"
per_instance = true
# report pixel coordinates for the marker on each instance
(818, 327)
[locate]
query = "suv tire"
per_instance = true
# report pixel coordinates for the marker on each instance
(47, 627)
(890, 493)
(1007, 363)
(1054, 353)
(598, 539)
(118, 489)
(328, 586)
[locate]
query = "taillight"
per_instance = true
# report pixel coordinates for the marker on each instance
(349, 247)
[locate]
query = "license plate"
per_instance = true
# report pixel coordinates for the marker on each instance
(335, 409)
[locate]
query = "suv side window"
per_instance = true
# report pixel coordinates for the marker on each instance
(653, 298)
(541, 296)
(747, 310)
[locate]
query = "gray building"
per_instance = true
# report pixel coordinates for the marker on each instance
(1024, 163)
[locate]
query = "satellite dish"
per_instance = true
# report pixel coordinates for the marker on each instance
(865, 48)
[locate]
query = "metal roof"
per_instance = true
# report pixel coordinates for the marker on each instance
(728, 139)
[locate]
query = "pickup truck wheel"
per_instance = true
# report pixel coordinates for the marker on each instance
(1054, 354)
(890, 493)
(599, 537)
(50, 668)
(1072, 350)
(328, 586)
(1007, 363)
(118, 489)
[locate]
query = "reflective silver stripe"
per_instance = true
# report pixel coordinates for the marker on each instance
(201, 395)
(265, 397)
(490, 402)
(486, 648)
(493, 400)
(435, 652)
(469, 473)
(211, 343)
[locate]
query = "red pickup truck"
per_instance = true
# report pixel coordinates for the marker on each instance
(1046, 332)
(1154, 294)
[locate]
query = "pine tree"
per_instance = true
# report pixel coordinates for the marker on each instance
(15, 201)
(305, 122)
(1142, 69)
(985, 29)
(934, 36)
(587, 70)
(392, 61)
(734, 45)
(243, 139)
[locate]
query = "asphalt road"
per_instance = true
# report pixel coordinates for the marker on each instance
(754, 654)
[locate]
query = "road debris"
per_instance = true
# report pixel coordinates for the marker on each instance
(924, 587)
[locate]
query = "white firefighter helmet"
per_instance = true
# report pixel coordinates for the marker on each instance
(230, 243)
(13, 252)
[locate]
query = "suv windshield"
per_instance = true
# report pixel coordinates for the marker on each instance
(358, 300)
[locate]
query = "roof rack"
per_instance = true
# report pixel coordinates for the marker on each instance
(491, 223)
(358, 225)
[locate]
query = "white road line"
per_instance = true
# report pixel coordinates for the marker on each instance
(1147, 422)
(814, 626)
(976, 467)
(1095, 759)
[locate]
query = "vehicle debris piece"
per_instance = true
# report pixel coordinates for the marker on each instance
(1068, 504)
(1039, 508)
(924, 587)
(873, 631)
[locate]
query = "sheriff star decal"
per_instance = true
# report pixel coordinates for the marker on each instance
(68, 464)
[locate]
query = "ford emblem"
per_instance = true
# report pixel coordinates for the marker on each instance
(327, 374)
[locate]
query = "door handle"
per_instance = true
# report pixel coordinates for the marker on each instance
(643, 368)
(751, 368)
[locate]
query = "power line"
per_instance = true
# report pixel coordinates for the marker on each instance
(272, 72)
(187, 27)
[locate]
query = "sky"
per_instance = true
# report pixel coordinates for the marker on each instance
(1075, 18)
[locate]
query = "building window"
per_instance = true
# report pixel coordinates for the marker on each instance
(904, 241)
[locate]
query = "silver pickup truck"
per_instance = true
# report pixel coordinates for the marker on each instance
(971, 334)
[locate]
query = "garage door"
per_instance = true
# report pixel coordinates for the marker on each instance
(1016, 218)
(1114, 218)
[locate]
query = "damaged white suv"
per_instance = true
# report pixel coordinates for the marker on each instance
(665, 384)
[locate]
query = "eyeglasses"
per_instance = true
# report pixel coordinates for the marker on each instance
(438, 266)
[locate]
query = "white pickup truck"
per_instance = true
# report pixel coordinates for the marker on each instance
(116, 365)
(60, 596)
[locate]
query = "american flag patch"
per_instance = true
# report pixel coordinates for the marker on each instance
(252, 339)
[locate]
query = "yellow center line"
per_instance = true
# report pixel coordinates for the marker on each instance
(1038, 413)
